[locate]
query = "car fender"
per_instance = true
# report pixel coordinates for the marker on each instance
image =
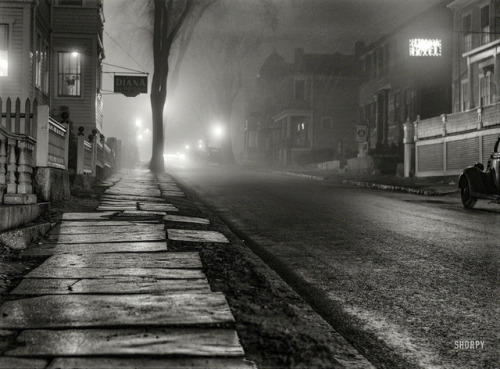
(476, 179)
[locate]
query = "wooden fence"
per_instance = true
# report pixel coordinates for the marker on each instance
(445, 145)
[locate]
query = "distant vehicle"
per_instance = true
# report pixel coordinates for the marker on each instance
(477, 183)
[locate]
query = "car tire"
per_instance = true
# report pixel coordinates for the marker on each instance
(467, 200)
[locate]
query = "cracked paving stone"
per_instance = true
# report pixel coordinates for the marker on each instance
(135, 363)
(88, 216)
(108, 237)
(184, 219)
(141, 213)
(157, 207)
(129, 260)
(111, 286)
(107, 223)
(186, 235)
(19, 363)
(81, 311)
(95, 248)
(130, 342)
(68, 229)
(114, 272)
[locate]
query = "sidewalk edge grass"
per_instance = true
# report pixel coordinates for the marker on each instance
(276, 326)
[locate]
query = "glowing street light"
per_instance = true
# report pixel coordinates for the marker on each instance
(74, 54)
(139, 137)
(187, 147)
(138, 123)
(218, 131)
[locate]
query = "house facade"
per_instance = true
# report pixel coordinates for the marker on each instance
(447, 143)
(52, 51)
(303, 108)
(405, 74)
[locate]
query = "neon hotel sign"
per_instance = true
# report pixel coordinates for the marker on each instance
(425, 47)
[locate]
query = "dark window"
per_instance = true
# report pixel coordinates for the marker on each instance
(300, 89)
(71, 2)
(467, 32)
(397, 107)
(485, 24)
(326, 124)
(408, 104)
(69, 74)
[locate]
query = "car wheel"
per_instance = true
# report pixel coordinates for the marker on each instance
(467, 200)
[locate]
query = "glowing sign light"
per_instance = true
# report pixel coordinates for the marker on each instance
(425, 47)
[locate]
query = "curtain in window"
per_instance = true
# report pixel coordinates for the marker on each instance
(4, 50)
(69, 74)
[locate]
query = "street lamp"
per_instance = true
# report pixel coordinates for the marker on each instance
(187, 147)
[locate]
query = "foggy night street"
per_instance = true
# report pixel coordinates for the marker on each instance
(416, 272)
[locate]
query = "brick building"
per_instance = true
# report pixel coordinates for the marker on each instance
(406, 73)
(303, 108)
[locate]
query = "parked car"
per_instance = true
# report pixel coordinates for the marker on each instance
(477, 183)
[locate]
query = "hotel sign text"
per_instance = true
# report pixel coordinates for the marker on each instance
(425, 47)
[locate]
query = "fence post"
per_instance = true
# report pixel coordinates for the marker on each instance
(42, 136)
(444, 119)
(80, 153)
(11, 166)
(93, 141)
(25, 167)
(409, 142)
(66, 146)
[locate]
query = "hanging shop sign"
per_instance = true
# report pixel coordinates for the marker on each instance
(361, 133)
(131, 85)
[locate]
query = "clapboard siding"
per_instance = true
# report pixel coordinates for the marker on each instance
(81, 109)
(12, 85)
(76, 20)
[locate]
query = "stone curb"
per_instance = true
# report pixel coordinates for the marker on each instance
(411, 190)
(310, 176)
(415, 191)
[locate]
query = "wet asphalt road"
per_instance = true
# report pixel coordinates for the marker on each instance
(414, 279)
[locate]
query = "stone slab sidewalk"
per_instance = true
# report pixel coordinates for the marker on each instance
(112, 294)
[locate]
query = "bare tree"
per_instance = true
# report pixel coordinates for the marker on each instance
(169, 15)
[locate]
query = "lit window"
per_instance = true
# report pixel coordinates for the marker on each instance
(4, 50)
(42, 64)
(69, 78)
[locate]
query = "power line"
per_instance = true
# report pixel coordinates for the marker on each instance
(125, 51)
(119, 66)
